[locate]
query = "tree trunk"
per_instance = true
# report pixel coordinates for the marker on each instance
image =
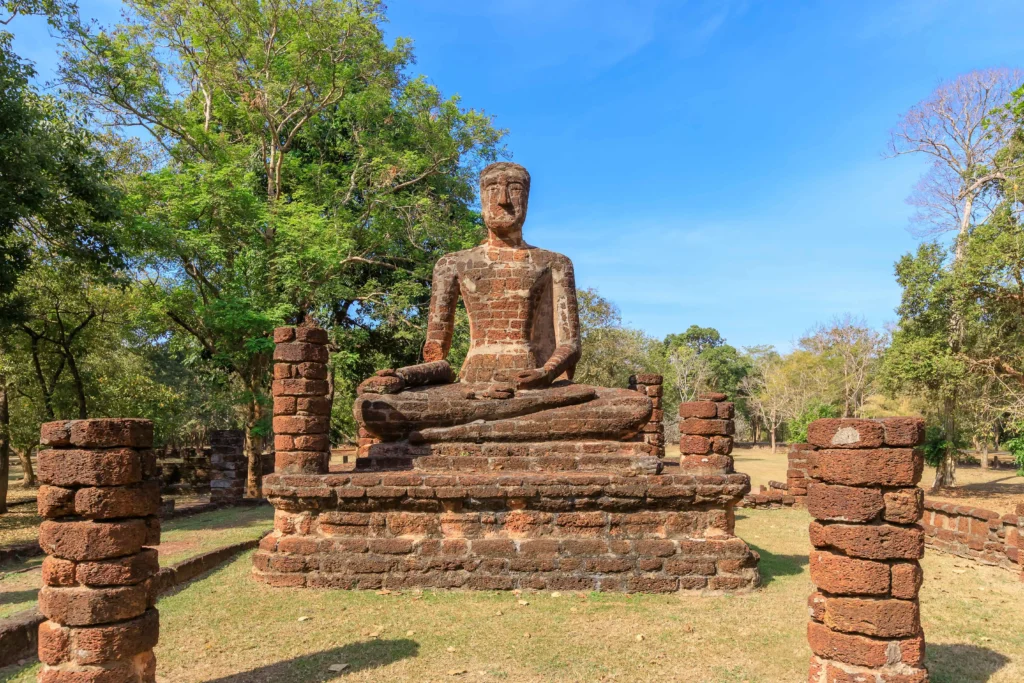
(79, 386)
(945, 473)
(254, 449)
(28, 478)
(5, 443)
(772, 433)
(984, 454)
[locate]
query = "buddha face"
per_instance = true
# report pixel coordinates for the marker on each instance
(504, 195)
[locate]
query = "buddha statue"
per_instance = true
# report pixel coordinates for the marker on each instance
(516, 382)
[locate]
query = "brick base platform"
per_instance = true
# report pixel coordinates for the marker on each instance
(498, 530)
(614, 457)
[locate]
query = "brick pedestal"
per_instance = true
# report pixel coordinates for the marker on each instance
(99, 498)
(228, 464)
(505, 529)
(865, 618)
(705, 435)
(302, 408)
(653, 432)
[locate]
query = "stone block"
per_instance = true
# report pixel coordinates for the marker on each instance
(903, 432)
(81, 606)
(110, 502)
(869, 467)
(843, 503)
(701, 427)
(878, 617)
(870, 541)
(80, 467)
(699, 409)
(98, 644)
(88, 540)
(842, 575)
(859, 650)
(904, 506)
(845, 433)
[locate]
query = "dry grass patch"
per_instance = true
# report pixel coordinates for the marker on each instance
(226, 628)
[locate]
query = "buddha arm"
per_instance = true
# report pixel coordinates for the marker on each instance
(567, 321)
(441, 320)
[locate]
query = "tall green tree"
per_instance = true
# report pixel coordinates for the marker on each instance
(55, 192)
(292, 170)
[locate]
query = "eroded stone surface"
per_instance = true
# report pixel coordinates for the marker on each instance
(524, 336)
(100, 498)
(865, 620)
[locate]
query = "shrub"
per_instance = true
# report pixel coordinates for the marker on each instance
(796, 429)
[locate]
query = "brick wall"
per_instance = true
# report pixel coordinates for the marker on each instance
(974, 533)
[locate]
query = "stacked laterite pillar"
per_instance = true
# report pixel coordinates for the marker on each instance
(100, 498)
(798, 472)
(302, 408)
(705, 434)
(654, 431)
(865, 618)
(228, 464)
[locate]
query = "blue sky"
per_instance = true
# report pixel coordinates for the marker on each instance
(711, 162)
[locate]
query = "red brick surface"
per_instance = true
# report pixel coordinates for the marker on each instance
(100, 498)
(500, 530)
(705, 435)
(302, 407)
(860, 478)
(983, 536)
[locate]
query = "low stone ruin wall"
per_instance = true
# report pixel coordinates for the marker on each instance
(980, 535)
(775, 496)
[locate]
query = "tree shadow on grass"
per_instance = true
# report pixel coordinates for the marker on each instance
(772, 565)
(961, 663)
(14, 597)
(367, 654)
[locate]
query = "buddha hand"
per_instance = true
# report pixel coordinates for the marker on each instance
(383, 382)
(538, 378)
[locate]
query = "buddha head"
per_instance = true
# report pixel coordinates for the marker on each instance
(504, 194)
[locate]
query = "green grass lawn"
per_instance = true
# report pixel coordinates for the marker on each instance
(181, 539)
(228, 629)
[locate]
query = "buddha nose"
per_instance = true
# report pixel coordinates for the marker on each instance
(504, 196)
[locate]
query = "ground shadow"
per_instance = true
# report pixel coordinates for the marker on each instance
(14, 597)
(367, 654)
(772, 565)
(960, 663)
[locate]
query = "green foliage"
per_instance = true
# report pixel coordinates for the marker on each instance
(611, 351)
(298, 172)
(936, 446)
(55, 187)
(1016, 446)
(796, 429)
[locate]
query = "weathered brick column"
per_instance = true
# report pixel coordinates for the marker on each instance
(654, 431)
(799, 471)
(100, 496)
(228, 464)
(302, 409)
(865, 617)
(705, 434)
